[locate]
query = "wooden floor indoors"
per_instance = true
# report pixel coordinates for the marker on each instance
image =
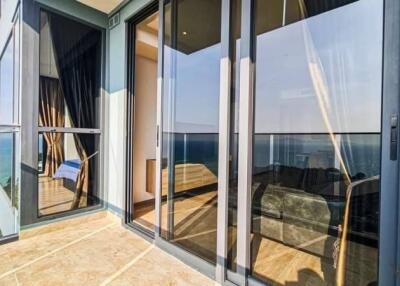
(53, 197)
(90, 250)
(280, 264)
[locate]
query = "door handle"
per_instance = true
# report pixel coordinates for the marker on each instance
(394, 123)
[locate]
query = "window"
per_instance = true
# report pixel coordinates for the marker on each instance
(69, 114)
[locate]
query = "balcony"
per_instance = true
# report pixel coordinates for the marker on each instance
(90, 250)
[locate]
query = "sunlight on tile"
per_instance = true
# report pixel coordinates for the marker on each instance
(63, 253)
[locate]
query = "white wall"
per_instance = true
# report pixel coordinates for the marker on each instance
(144, 144)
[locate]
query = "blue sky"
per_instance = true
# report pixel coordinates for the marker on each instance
(6, 85)
(347, 47)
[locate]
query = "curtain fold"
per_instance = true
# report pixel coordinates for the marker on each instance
(51, 114)
(77, 50)
(81, 194)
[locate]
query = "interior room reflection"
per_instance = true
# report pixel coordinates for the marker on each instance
(69, 98)
(316, 161)
(303, 201)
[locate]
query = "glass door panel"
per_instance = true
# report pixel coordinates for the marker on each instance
(190, 125)
(316, 154)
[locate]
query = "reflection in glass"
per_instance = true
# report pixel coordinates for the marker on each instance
(17, 67)
(8, 185)
(301, 197)
(9, 157)
(69, 97)
(70, 172)
(190, 125)
(316, 155)
(7, 84)
(42, 153)
(70, 71)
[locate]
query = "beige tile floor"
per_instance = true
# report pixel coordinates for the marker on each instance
(90, 250)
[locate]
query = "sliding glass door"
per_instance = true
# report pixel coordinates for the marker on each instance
(315, 198)
(189, 176)
(301, 153)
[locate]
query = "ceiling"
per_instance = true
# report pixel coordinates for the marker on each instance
(105, 6)
(196, 25)
(147, 37)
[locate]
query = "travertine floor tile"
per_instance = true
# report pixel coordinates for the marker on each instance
(47, 239)
(92, 250)
(10, 280)
(159, 268)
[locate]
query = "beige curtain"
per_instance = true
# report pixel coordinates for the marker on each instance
(51, 114)
(81, 193)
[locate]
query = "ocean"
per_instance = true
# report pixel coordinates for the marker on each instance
(361, 152)
(6, 154)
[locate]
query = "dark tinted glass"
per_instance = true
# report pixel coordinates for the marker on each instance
(70, 73)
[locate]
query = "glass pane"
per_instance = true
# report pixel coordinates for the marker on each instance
(8, 186)
(69, 168)
(16, 69)
(7, 84)
(190, 125)
(70, 73)
(316, 160)
(234, 136)
(144, 121)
